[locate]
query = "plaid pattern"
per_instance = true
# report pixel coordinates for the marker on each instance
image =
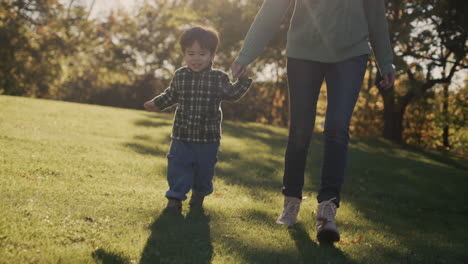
(198, 96)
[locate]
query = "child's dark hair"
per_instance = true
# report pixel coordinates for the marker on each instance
(206, 37)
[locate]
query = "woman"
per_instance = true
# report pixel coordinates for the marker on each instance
(327, 40)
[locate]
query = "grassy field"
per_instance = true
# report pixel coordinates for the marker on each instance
(85, 184)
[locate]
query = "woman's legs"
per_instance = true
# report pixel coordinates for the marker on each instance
(304, 81)
(344, 81)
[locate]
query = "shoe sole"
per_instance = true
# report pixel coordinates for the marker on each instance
(285, 224)
(328, 236)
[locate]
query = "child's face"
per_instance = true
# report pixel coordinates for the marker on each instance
(197, 58)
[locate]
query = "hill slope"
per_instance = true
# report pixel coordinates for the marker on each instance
(85, 184)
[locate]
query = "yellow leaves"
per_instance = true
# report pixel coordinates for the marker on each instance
(354, 241)
(25, 175)
(430, 116)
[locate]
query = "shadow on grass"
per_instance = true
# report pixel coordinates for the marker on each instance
(249, 172)
(260, 252)
(155, 150)
(413, 183)
(268, 173)
(441, 156)
(102, 256)
(277, 141)
(175, 239)
(153, 123)
(418, 199)
(312, 252)
(244, 170)
(145, 144)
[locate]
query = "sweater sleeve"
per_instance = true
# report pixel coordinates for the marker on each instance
(167, 98)
(266, 22)
(379, 35)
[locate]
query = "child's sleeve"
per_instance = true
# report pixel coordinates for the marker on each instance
(234, 91)
(167, 98)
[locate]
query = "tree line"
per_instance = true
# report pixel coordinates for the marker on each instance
(50, 49)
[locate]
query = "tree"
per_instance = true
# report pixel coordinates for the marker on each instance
(28, 63)
(429, 37)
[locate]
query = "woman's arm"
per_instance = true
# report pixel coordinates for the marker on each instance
(266, 22)
(379, 35)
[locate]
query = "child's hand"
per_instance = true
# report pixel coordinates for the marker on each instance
(149, 106)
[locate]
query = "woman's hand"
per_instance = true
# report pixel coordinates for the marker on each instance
(238, 70)
(388, 80)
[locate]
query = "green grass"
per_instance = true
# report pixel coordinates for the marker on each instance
(85, 184)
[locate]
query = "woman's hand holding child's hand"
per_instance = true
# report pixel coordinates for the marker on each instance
(238, 70)
(244, 74)
(149, 106)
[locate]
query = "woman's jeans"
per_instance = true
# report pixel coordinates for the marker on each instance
(343, 80)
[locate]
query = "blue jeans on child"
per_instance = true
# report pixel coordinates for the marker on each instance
(344, 80)
(190, 166)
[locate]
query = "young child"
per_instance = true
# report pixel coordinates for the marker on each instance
(198, 90)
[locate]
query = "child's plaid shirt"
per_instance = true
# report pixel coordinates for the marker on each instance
(199, 95)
